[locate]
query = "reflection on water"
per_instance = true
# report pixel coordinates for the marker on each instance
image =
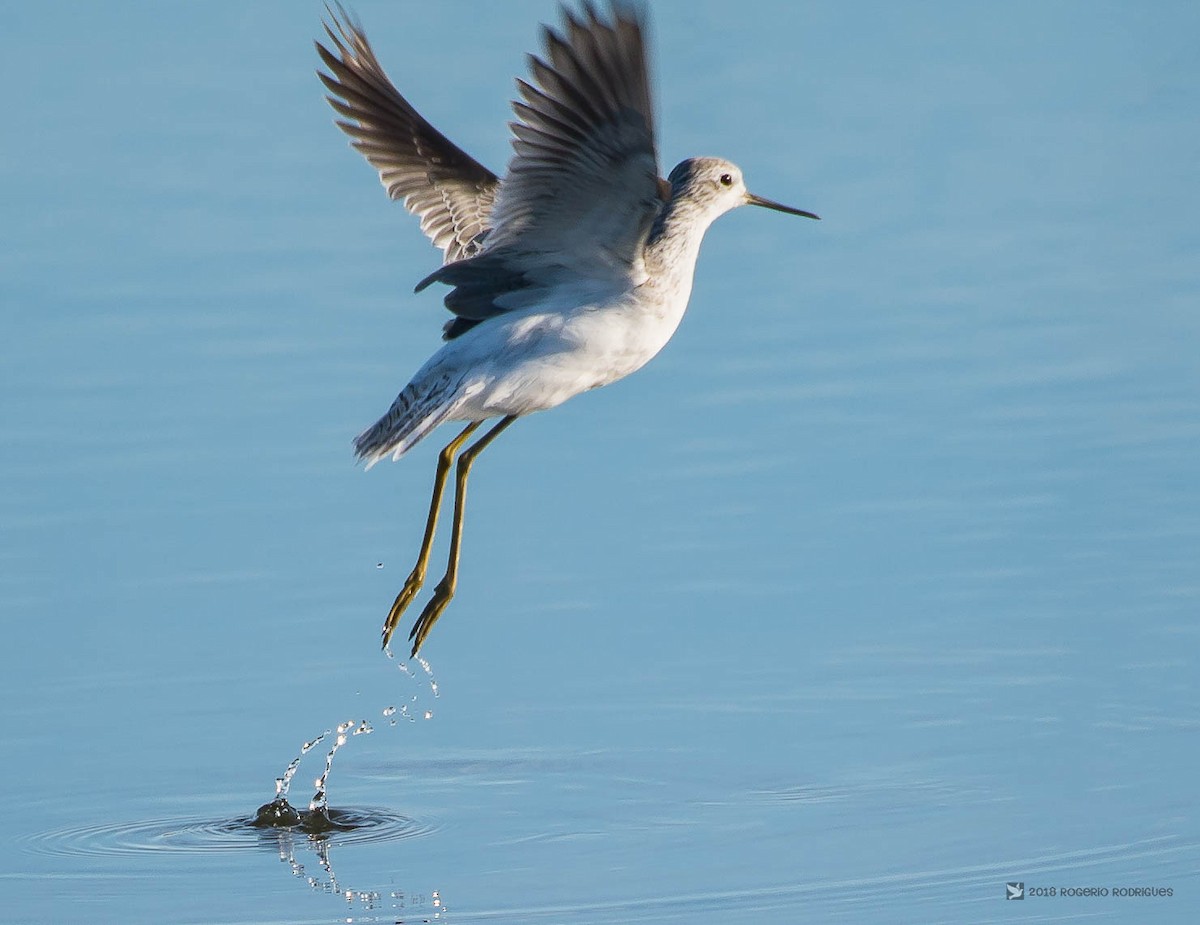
(292, 845)
(353, 827)
(308, 855)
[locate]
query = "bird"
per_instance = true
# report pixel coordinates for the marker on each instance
(567, 273)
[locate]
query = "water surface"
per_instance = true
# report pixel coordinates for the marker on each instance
(875, 592)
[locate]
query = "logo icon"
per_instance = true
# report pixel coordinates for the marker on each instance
(1014, 891)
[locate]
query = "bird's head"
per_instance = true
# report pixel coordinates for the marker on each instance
(715, 186)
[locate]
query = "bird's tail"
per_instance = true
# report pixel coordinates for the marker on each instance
(413, 415)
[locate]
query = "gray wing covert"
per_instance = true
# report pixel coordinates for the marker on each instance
(582, 188)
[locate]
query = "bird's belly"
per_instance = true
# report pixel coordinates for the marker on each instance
(543, 360)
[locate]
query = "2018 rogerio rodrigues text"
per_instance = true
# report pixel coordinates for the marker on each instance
(1016, 889)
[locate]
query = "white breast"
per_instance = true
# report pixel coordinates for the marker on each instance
(538, 357)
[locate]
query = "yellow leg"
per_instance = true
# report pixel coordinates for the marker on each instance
(417, 578)
(446, 587)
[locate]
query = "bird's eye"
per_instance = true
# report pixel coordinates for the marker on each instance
(727, 179)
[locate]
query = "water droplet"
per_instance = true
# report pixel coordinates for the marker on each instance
(429, 714)
(389, 711)
(378, 565)
(307, 746)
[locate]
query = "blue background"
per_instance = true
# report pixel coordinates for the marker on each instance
(876, 590)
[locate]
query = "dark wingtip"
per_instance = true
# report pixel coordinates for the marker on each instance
(428, 280)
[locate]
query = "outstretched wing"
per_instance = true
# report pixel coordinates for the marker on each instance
(582, 188)
(451, 192)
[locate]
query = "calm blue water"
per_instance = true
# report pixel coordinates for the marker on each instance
(876, 591)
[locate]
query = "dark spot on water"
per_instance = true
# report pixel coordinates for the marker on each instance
(280, 814)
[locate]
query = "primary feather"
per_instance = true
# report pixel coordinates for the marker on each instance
(447, 189)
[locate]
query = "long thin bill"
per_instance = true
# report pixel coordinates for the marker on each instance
(753, 200)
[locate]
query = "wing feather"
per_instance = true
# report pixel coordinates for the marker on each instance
(582, 188)
(449, 191)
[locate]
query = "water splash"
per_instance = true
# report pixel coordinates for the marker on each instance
(283, 782)
(319, 803)
(433, 685)
(405, 669)
(317, 819)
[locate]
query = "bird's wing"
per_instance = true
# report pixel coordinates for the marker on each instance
(582, 188)
(451, 192)
(583, 184)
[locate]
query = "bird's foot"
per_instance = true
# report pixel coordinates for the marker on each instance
(442, 595)
(411, 586)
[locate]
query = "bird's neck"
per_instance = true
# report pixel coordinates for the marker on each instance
(674, 244)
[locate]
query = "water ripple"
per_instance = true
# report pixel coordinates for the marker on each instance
(200, 835)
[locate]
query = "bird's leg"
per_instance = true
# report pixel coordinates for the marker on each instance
(417, 578)
(446, 587)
